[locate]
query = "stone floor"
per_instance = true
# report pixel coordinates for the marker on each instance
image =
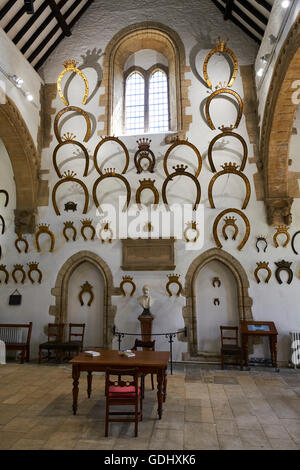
(206, 408)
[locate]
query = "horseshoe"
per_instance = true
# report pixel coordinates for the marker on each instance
(65, 110)
(69, 225)
(215, 281)
(67, 142)
(87, 223)
(229, 168)
(293, 242)
(3, 268)
(111, 174)
(3, 224)
(127, 280)
(70, 176)
(34, 267)
(284, 266)
(70, 66)
(86, 287)
(230, 222)
(21, 239)
(220, 136)
(18, 267)
(3, 191)
(262, 239)
(180, 170)
(219, 217)
(174, 279)
(188, 144)
(221, 48)
(44, 228)
(262, 265)
(227, 91)
(147, 184)
(114, 139)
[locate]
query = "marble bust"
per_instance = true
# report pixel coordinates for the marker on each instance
(146, 300)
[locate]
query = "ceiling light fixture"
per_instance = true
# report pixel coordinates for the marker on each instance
(29, 96)
(285, 3)
(260, 72)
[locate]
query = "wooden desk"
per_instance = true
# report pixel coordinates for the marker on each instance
(272, 335)
(148, 362)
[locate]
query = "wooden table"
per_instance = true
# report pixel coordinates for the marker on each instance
(271, 334)
(148, 362)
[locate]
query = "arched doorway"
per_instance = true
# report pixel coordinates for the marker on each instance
(61, 291)
(244, 302)
(24, 159)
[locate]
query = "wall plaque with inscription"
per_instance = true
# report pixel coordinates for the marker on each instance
(148, 254)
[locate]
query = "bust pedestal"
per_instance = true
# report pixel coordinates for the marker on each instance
(146, 320)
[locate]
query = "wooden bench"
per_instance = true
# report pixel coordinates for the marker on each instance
(11, 340)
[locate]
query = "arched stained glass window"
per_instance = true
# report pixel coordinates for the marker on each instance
(158, 102)
(134, 103)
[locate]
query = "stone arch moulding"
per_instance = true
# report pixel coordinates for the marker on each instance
(146, 35)
(60, 291)
(189, 311)
(25, 163)
(276, 131)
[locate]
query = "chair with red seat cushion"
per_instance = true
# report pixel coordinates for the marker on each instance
(120, 392)
(146, 345)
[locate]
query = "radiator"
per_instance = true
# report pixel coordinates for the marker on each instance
(295, 346)
(10, 335)
(2, 353)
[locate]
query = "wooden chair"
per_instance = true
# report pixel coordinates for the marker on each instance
(120, 392)
(150, 345)
(232, 349)
(55, 339)
(76, 330)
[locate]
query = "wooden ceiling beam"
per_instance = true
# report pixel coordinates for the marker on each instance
(228, 9)
(60, 19)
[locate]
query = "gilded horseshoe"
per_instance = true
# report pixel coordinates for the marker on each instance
(174, 279)
(79, 110)
(70, 66)
(69, 225)
(127, 280)
(114, 139)
(230, 222)
(219, 217)
(220, 136)
(87, 223)
(188, 144)
(111, 174)
(293, 242)
(229, 168)
(21, 239)
(147, 184)
(229, 92)
(18, 267)
(67, 142)
(3, 191)
(86, 287)
(67, 178)
(221, 48)
(34, 267)
(179, 171)
(262, 265)
(281, 229)
(44, 228)
(3, 268)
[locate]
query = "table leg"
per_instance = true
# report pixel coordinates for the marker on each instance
(75, 375)
(160, 394)
(165, 385)
(273, 350)
(89, 384)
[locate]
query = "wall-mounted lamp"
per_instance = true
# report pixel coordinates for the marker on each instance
(260, 72)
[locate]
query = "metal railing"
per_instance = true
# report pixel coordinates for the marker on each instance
(170, 336)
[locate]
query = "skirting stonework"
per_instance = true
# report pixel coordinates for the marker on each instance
(60, 291)
(189, 311)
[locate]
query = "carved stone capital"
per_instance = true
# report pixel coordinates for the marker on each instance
(24, 221)
(279, 210)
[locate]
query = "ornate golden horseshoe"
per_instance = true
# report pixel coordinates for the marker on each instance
(87, 223)
(229, 92)
(230, 222)
(221, 48)
(144, 152)
(114, 139)
(174, 279)
(69, 139)
(191, 226)
(69, 225)
(282, 229)
(180, 170)
(106, 228)
(79, 110)
(188, 144)
(70, 66)
(111, 173)
(70, 176)
(44, 228)
(147, 184)
(127, 280)
(21, 239)
(262, 265)
(219, 217)
(18, 267)
(220, 136)
(34, 267)
(3, 268)
(86, 287)
(229, 168)
(3, 191)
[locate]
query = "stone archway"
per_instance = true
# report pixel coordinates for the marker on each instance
(189, 311)
(277, 126)
(60, 291)
(24, 159)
